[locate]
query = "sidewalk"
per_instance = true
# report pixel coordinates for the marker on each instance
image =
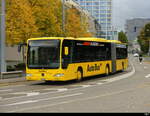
(12, 80)
(147, 59)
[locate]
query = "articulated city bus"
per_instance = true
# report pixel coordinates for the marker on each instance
(63, 59)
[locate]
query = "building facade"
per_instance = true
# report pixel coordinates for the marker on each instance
(93, 25)
(102, 11)
(133, 28)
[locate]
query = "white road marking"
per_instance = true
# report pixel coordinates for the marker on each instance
(49, 89)
(57, 91)
(145, 67)
(147, 76)
(12, 86)
(100, 83)
(74, 100)
(19, 103)
(65, 89)
(28, 94)
(33, 94)
(121, 76)
(16, 93)
(85, 86)
(5, 90)
(39, 100)
(58, 97)
(61, 90)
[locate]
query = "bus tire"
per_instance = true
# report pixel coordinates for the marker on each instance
(79, 75)
(107, 70)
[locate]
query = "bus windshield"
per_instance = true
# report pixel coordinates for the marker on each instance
(43, 54)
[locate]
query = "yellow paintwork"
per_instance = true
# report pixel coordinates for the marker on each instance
(83, 39)
(120, 63)
(71, 72)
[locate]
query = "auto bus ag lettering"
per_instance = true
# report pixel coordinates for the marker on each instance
(93, 68)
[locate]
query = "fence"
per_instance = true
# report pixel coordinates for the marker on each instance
(13, 74)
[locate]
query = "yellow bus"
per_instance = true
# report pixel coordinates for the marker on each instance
(64, 59)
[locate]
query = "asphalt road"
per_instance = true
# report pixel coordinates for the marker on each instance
(127, 91)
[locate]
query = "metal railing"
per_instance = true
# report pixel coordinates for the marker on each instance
(13, 74)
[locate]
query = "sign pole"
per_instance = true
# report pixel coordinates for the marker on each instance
(2, 37)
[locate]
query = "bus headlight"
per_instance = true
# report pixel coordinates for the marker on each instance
(59, 75)
(29, 75)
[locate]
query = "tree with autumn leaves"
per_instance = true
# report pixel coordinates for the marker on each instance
(74, 26)
(20, 23)
(41, 18)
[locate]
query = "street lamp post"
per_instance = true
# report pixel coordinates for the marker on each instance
(2, 37)
(63, 16)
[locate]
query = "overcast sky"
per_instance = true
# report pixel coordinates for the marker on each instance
(128, 9)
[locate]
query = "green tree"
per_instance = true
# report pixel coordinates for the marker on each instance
(144, 38)
(122, 37)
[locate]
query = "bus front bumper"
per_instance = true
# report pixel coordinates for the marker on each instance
(44, 77)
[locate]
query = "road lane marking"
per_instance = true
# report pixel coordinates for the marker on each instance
(147, 76)
(85, 86)
(66, 89)
(76, 100)
(5, 90)
(58, 97)
(145, 67)
(57, 91)
(100, 83)
(33, 94)
(48, 89)
(20, 103)
(11, 86)
(62, 90)
(18, 93)
(39, 100)
(122, 76)
(28, 94)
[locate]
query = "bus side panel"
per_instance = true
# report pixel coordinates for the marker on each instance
(121, 64)
(69, 73)
(93, 68)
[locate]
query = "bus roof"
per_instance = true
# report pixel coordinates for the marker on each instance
(42, 38)
(81, 39)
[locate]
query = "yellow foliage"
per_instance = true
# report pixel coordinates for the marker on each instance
(74, 26)
(20, 23)
(33, 18)
(48, 16)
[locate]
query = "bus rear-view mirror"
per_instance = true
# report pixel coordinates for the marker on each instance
(20, 46)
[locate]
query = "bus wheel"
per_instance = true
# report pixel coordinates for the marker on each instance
(79, 75)
(107, 71)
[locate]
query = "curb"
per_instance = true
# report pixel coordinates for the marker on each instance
(124, 76)
(12, 80)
